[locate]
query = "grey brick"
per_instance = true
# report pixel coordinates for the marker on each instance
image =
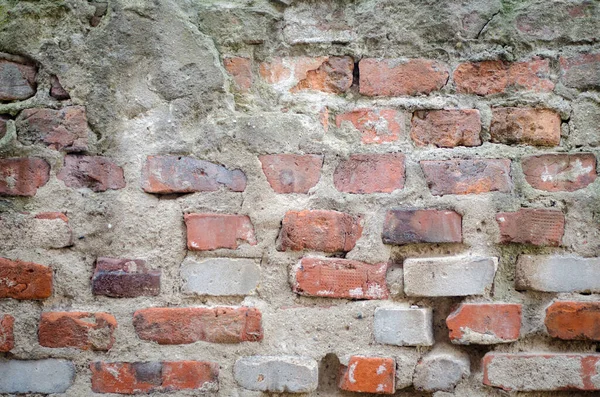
(220, 276)
(403, 326)
(441, 371)
(449, 276)
(278, 374)
(557, 273)
(39, 376)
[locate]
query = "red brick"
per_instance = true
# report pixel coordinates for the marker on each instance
(324, 118)
(213, 231)
(370, 173)
(327, 74)
(149, 377)
(541, 371)
(124, 278)
(422, 226)
(375, 125)
(493, 77)
(394, 77)
(581, 71)
(292, 173)
(485, 323)
(532, 226)
(574, 320)
(340, 278)
(17, 81)
(241, 70)
(560, 172)
(23, 176)
(319, 230)
(81, 330)
(64, 129)
(174, 326)
(7, 337)
(467, 176)
(56, 89)
(3, 124)
(180, 174)
(52, 216)
(539, 127)
(446, 128)
(93, 172)
(369, 375)
(24, 280)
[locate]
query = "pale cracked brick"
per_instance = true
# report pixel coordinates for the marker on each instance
(43, 230)
(441, 371)
(541, 371)
(277, 374)
(219, 276)
(403, 326)
(36, 376)
(449, 276)
(557, 273)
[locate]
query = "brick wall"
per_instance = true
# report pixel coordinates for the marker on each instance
(236, 198)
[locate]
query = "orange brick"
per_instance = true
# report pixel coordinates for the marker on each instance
(369, 375)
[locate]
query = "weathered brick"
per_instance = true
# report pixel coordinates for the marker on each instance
(65, 129)
(528, 126)
(467, 176)
(422, 226)
(340, 278)
(277, 374)
(369, 375)
(180, 174)
(446, 128)
(23, 176)
(292, 173)
(395, 77)
(36, 376)
(560, 172)
(81, 330)
(17, 81)
(56, 89)
(449, 276)
(322, 22)
(124, 278)
(24, 280)
(532, 226)
(174, 326)
(375, 125)
(3, 124)
(484, 323)
(403, 326)
(151, 377)
(327, 74)
(240, 70)
(581, 71)
(219, 276)
(319, 230)
(370, 173)
(7, 337)
(213, 231)
(441, 371)
(43, 230)
(557, 273)
(541, 371)
(573, 320)
(93, 172)
(493, 77)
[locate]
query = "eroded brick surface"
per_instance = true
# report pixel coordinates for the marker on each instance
(467, 176)
(370, 173)
(446, 128)
(81, 330)
(24, 280)
(484, 323)
(570, 320)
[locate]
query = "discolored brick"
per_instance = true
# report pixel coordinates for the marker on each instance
(560, 172)
(7, 337)
(484, 323)
(292, 173)
(17, 81)
(81, 330)
(446, 128)
(375, 125)
(93, 172)
(467, 176)
(369, 375)
(532, 226)
(525, 126)
(207, 232)
(340, 278)
(422, 226)
(24, 280)
(241, 70)
(581, 71)
(23, 176)
(56, 89)
(573, 320)
(124, 278)
(181, 174)
(370, 173)
(65, 129)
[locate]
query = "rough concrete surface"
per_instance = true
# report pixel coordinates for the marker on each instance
(151, 77)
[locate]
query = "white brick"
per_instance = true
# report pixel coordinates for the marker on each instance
(449, 276)
(277, 374)
(403, 326)
(554, 273)
(220, 276)
(36, 376)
